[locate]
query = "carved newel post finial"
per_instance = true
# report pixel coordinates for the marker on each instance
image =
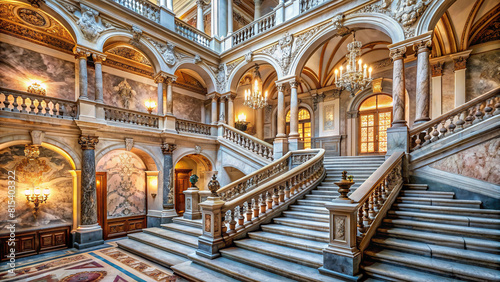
(344, 186)
(213, 185)
(344, 175)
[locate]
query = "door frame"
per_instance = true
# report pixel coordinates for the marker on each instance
(376, 113)
(176, 172)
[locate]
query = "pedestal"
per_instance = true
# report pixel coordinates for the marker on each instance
(87, 236)
(280, 147)
(192, 200)
(398, 140)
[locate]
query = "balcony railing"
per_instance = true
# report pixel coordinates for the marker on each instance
(191, 33)
(254, 28)
(130, 117)
(248, 142)
(144, 8)
(23, 102)
(189, 126)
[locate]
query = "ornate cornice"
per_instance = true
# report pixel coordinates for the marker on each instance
(398, 53)
(422, 46)
(88, 142)
(460, 63)
(98, 57)
(168, 148)
(437, 69)
(81, 52)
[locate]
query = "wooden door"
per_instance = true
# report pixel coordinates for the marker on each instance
(373, 131)
(181, 184)
(101, 187)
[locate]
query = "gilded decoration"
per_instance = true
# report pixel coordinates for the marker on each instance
(31, 17)
(188, 82)
(130, 54)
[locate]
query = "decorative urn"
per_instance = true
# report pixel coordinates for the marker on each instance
(344, 185)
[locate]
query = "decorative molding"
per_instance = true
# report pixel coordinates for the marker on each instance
(167, 148)
(136, 36)
(166, 50)
(37, 137)
(88, 142)
(460, 63)
(197, 59)
(248, 56)
(397, 53)
(437, 69)
(89, 23)
(98, 58)
(125, 92)
(81, 52)
(129, 144)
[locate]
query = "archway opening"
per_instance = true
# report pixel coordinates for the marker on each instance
(187, 166)
(375, 116)
(305, 130)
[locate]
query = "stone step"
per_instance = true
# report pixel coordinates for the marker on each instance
(389, 272)
(194, 231)
(305, 224)
(190, 222)
(312, 203)
(436, 251)
(440, 202)
(427, 194)
(178, 237)
(288, 241)
(439, 266)
(306, 258)
(455, 240)
(316, 197)
(312, 209)
(415, 186)
(151, 253)
(447, 210)
(196, 272)
(331, 192)
(444, 228)
(324, 187)
(281, 267)
(298, 232)
(162, 244)
(337, 176)
(237, 270)
(448, 219)
(307, 216)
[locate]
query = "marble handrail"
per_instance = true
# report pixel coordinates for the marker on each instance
(144, 8)
(24, 102)
(130, 116)
(189, 126)
(258, 26)
(247, 141)
(191, 33)
(472, 112)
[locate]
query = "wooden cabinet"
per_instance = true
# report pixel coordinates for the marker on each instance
(119, 227)
(32, 242)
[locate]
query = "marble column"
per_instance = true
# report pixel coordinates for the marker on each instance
(436, 85)
(460, 65)
(168, 177)
(200, 24)
(293, 137)
(423, 85)
(214, 109)
(259, 122)
(170, 5)
(222, 110)
(81, 54)
(257, 4)
(89, 233)
(280, 146)
(159, 79)
(229, 17)
(230, 110)
(98, 59)
(398, 87)
(170, 96)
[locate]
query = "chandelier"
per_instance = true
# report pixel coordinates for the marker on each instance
(357, 76)
(254, 98)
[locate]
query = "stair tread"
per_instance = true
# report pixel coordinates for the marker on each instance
(312, 209)
(185, 221)
(438, 265)
(447, 209)
(307, 214)
(238, 270)
(302, 222)
(295, 270)
(440, 200)
(447, 227)
(151, 253)
(401, 273)
(282, 252)
(183, 228)
(197, 272)
(295, 230)
(492, 221)
(289, 241)
(164, 244)
(182, 238)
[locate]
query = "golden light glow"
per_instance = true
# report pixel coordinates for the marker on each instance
(153, 181)
(150, 105)
(37, 87)
(242, 117)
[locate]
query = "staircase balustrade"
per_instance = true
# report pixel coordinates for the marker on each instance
(472, 112)
(258, 26)
(193, 127)
(23, 102)
(248, 142)
(191, 33)
(144, 8)
(225, 221)
(131, 117)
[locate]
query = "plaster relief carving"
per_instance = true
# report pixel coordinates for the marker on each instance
(129, 144)
(166, 50)
(197, 149)
(285, 45)
(340, 228)
(37, 137)
(197, 59)
(125, 92)
(137, 34)
(220, 75)
(248, 57)
(88, 23)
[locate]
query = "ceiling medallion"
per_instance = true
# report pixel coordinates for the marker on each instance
(31, 17)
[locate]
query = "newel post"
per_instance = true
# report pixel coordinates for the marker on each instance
(211, 240)
(192, 199)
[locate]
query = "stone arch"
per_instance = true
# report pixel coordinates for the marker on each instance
(189, 152)
(62, 16)
(376, 21)
(431, 15)
(201, 68)
(363, 95)
(150, 160)
(243, 67)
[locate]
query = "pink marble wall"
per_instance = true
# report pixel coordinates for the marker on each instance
(141, 92)
(482, 73)
(126, 180)
(187, 107)
(481, 162)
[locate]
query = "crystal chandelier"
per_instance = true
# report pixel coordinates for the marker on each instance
(254, 98)
(356, 76)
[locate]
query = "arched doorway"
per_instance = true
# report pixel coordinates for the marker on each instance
(375, 116)
(184, 168)
(304, 126)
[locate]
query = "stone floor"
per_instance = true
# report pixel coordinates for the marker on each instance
(103, 263)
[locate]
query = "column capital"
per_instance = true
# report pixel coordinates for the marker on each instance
(398, 53)
(437, 69)
(163, 77)
(213, 96)
(293, 83)
(460, 63)
(280, 87)
(230, 95)
(422, 46)
(168, 148)
(201, 3)
(88, 142)
(82, 52)
(98, 57)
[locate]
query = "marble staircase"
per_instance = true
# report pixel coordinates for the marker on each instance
(431, 236)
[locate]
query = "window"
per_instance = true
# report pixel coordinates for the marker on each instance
(375, 116)
(305, 130)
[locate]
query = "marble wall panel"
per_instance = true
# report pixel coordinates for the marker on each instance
(482, 73)
(91, 82)
(19, 67)
(56, 176)
(126, 181)
(448, 88)
(187, 107)
(481, 162)
(127, 93)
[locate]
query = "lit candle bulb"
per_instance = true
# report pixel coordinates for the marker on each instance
(348, 68)
(27, 192)
(370, 72)
(46, 191)
(360, 64)
(336, 73)
(266, 96)
(364, 70)
(341, 68)
(37, 191)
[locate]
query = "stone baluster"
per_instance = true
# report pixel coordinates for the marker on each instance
(249, 213)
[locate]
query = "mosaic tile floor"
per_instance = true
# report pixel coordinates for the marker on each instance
(109, 264)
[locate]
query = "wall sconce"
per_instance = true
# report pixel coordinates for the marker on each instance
(153, 185)
(34, 196)
(241, 123)
(153, 195)
(37, 88)
(150, 105)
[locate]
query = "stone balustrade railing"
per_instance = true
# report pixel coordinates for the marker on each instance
(192, 33)
(472, 112)
(355, 219)
(23, 102)
(144, 8)
(224, 221)
(254, 28)
(306, 5)
(193, 127)
(131, 117)
(247, 141)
